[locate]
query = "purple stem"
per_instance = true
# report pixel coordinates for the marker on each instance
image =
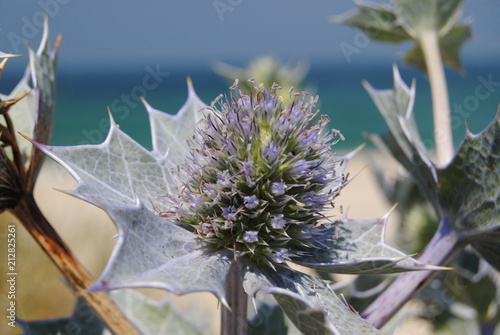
(443, 246)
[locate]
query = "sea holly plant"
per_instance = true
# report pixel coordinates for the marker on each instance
(463, 190)
(464, 193)
(234, 192)
(252, 192)
(224, 212)
(434, 26)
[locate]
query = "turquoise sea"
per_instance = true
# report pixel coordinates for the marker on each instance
(84, 95)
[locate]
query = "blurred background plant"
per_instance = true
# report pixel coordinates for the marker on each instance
(464, 300)
(266, 70)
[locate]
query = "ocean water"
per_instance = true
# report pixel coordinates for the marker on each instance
(84, 96)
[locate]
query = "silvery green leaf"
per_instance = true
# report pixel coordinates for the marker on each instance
(154, 252)
(469, 191)
(32, 116)
(42, 68)
(377, 23)
(403, 141)
(361, 290)
(83, 321)
(130, 183)
(115, 172)
(169, 132)
(427, 15)
(358, 247)
(152, 317)
(449, 47)
(309, 302)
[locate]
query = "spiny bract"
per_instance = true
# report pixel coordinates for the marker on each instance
(258, 175)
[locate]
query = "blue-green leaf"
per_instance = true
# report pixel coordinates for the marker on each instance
(427, 15)
(150, 317)
(33, 114)
(359, 248)
(309, 302)
(469, 191)
(169, 132)
(378, 23)
(131, 185)
(43, 74)
(403, 141)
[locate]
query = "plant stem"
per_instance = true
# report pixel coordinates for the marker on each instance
(34, 221)
(443, 135)
(234, 320)
(443, 246)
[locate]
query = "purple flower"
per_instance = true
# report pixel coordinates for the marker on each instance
(271, 151)
(251, 236)
(251, 201)
(277, 221)
(278, 188)
(301, 167)
(229, 213)
(281, 255)
(224, 179)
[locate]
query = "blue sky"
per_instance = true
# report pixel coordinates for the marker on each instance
(125, 33)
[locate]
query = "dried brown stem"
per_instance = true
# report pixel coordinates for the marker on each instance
(34, 221)
(18, 159)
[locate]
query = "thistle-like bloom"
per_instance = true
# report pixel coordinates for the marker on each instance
(259, 176)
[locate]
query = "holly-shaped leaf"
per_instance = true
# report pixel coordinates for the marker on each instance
(309, 302)
(469, 191)
(359, 247)
(414, 20)
(130, 183)
(403, 140)
(150, 317)
(380, 24)
(464, 195)
(169, 132)
(43, 73)
(418, 17)
(32, 113)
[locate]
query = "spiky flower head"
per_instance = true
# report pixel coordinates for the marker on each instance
(257, 178)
